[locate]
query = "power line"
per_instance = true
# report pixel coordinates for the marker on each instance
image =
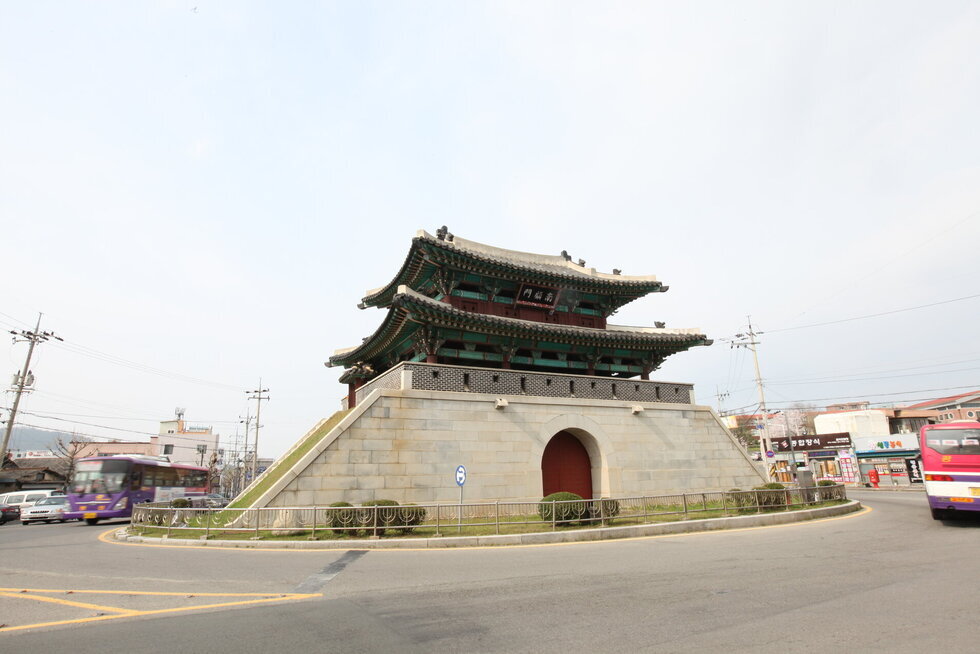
(869, 395)
(839, 380)
(140, 367)
(874, 315)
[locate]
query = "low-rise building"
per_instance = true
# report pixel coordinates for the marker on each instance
(186, 443)
(965, 406)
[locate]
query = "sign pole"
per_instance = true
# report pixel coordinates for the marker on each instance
(460, 480)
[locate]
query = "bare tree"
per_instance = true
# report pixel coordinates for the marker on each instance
(67, 452)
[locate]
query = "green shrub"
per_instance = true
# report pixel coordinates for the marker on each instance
(549, 508)
(773, 498)
(599, 510)
(736, 498)
(410, 516)
(387, 516)
(828, 490)
(180, 503)
(343, 517)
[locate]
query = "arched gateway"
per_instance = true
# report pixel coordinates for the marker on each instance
(566, 466)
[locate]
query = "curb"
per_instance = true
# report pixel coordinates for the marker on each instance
(540, 538)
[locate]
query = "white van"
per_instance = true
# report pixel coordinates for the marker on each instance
(26, 498)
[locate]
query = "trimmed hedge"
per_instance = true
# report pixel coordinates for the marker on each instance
(550, 510)
(411, 516)
(599, 510)
(387, 516)
(774, 498)
(342, 518)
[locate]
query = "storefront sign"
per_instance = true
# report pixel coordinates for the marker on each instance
(814, 442)
(914, 468)
(539, 296)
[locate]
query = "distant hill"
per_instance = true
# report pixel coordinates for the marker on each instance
(32, 438)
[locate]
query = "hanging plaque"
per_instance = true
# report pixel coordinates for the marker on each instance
(538, 296)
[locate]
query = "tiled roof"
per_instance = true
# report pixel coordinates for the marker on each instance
(943, 401)
(428, 251)
(409, 309)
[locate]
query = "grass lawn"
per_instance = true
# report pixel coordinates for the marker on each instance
(280, 467)
(525, 524)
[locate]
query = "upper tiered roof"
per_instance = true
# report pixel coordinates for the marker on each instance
(429, 254)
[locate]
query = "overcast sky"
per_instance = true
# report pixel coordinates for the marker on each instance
(196, 194)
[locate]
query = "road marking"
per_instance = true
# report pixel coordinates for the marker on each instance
(864, 511)
(317, 581)
(120, 612)
(63, 602)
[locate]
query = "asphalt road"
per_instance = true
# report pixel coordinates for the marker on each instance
(891, 579)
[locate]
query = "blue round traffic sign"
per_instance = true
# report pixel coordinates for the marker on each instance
(460, 475)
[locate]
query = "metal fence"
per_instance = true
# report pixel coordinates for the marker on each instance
(427, 520)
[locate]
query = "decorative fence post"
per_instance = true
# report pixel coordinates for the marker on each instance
(207, 531)
(313, 533)
(684, 500)
(496, 514)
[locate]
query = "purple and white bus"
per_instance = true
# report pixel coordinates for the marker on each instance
(105, 487)
(951, 466)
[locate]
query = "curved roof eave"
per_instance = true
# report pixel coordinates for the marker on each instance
(556, 266)
(405, 298)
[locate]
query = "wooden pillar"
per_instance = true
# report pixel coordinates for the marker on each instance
(432, 358)
(351, 396)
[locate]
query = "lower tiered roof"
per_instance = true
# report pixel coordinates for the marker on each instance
(419, 328)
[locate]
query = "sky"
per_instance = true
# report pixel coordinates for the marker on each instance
(197, 194)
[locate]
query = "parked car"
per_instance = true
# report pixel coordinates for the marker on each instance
(213, 501)
(26, 498)
(9, 512)
(48, 509)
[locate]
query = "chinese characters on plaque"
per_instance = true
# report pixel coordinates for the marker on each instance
(539, 296)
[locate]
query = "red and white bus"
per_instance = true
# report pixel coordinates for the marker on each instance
(951, 467)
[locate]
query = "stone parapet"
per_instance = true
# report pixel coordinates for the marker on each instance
(500, 382)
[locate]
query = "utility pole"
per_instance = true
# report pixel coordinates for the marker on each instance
(749, 341)
(257, 396)
(243, 461)
(720, 397)
(24, 379)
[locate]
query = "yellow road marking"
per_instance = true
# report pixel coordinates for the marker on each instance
(64, 602)
(264, 598)
(104, 538)
(145, 592)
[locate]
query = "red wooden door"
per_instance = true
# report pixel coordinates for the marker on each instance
(565, 466)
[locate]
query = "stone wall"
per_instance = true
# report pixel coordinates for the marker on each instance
(406, 444)
(463, 379)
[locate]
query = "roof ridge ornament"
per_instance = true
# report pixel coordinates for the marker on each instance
(443, 234)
